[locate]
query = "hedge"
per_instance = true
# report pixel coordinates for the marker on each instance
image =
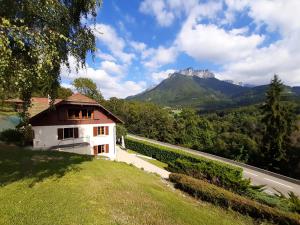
(221, 174)
(228, 178)
(208, 192)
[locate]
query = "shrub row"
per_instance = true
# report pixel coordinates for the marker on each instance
(214, 173)
(221, 174)
(208, 192)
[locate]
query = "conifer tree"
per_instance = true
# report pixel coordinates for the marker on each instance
(279, 122)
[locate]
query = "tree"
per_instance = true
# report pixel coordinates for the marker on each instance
(88, 87)
(235, 146)
(63, 92)
(36, 37)
(193, 131)
(121, 131)
(279, 121)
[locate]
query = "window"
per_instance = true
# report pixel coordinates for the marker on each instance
(102, 130)
(68, 133)
(65, 133)
(98, 149)
(101, 149)
(86, 114)
(73, 114)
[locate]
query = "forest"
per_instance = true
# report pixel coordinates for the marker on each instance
(247, 134)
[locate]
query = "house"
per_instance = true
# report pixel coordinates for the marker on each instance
(77, 124)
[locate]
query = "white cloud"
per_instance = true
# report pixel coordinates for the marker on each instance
(108, 36)
(112, 67)
(138, 46)
(130, 19)
(105, 56)
(159, 76)
(66, 85)
(282, 58)
(239, 31)
(209, 42)
(110, 76)
(159, 9)
(279, 15)
(166, 11)
(156, 58)
(109, 85)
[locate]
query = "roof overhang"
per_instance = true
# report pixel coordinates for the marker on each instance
(63, 102)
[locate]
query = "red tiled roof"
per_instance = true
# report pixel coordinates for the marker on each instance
(14, 100)
(40, 104)
(80, 98)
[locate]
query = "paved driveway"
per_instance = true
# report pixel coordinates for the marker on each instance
(123, 156)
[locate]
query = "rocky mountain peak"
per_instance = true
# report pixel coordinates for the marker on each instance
(198, 73)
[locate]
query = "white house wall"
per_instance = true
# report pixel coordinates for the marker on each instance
(46, 137)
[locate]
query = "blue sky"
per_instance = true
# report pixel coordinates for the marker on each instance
(140, 42)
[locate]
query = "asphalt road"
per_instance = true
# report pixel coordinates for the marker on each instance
(258, 176)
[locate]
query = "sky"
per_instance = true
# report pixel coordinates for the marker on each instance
(139, 42)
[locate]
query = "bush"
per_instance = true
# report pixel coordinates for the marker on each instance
(290, 203)
(14, 136)
(213, 172)
(219, 196)
(22, 136)
(218, 173)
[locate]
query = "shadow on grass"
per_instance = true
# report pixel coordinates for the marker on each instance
(17, 164)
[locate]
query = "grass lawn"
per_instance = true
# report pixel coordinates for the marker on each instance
(131, 151)
(156, 163)
(61, 188)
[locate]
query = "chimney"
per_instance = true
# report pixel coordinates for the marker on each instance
(49, 99)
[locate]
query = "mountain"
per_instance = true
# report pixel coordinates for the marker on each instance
(181, 90)
(200, 89)
(296, 90)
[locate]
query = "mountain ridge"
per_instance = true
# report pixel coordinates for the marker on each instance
(201, 89)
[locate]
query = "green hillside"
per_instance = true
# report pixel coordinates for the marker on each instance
(223, 87)
(180, 90)
(42, 187)
(205, 93)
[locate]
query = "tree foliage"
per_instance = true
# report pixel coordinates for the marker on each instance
(121, 131)
(89, 88)
(63, 92)
(279, 121)
(193, 131)
(36, 37)
(235, 133)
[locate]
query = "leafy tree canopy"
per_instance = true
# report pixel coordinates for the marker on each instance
(36, 37)
(64, 93)
(88, 87)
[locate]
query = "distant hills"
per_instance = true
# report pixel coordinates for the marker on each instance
(200, 89)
